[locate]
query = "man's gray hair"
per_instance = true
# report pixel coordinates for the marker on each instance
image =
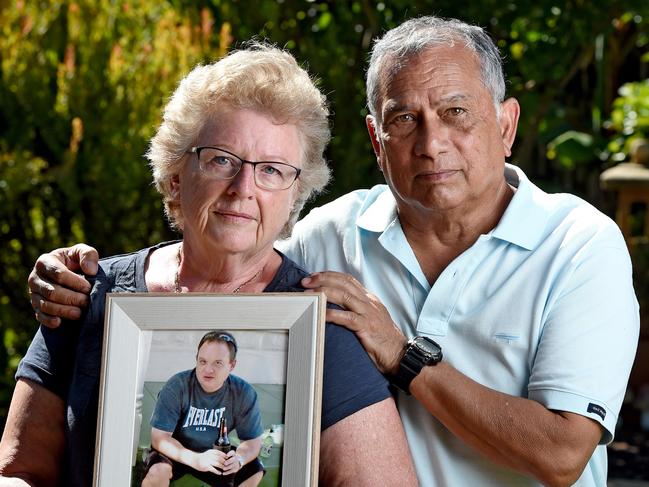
(412, 37)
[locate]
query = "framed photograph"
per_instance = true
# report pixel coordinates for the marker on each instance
(150, 337)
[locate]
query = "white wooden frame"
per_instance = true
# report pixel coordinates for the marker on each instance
(131, 318)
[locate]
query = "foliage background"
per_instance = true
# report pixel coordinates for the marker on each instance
(82, 84)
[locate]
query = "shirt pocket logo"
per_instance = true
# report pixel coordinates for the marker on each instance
(508, 338)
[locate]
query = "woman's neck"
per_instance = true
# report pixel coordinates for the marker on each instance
(179, 268)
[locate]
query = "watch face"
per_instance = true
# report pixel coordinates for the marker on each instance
(431, 350)
(420, 352)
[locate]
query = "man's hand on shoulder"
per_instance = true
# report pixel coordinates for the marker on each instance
(364, 314)
(55, 288)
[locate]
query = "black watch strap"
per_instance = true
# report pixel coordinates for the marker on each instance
(419, 352)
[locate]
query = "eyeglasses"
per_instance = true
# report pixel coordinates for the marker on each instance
(221, 164)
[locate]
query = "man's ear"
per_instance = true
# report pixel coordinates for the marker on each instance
(233, 363)
(373, 129)
(509, 112)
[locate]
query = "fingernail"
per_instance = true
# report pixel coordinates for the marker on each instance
(306, 280)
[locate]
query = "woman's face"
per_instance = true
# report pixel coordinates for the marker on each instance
(235, 216)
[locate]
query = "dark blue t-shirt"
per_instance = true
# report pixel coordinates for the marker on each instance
(193, 415)
(67, 360)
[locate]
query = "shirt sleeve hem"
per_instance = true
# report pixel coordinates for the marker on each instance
(352, 405)
(571, 402)
(40, 376)
(165, 428)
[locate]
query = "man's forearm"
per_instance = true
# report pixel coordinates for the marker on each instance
(249, 450)
(173, 449)
(515, 432)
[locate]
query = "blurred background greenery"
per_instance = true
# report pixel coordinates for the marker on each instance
(83, 82)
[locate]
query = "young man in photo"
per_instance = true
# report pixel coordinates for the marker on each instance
(186, 418)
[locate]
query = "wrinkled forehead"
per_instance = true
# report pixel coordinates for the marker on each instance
(442, 64)
(229, 121)
(427, 67)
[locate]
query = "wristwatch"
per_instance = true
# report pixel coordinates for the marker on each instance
(419, 352)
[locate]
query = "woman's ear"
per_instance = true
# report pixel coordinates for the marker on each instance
(175, 187)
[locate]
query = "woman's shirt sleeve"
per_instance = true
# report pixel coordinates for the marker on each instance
(351, 382)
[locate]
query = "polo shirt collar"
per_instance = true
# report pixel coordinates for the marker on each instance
(522, 223)
(526, 216)
(380, 213)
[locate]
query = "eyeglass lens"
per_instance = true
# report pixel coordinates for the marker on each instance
(224, 165)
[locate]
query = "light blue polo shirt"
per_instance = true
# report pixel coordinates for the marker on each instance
(541, 307)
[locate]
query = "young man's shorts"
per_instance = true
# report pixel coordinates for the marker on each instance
(180, 469)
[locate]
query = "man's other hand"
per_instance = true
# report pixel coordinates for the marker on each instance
(364, 314)
(56, 290)
(231, 464)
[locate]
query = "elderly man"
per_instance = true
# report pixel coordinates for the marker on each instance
(528, 295)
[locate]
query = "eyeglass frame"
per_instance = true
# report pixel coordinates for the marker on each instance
(197, 150)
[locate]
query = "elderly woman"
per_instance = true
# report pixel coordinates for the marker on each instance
(238, 153)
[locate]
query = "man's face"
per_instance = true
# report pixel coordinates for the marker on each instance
(440, 144)
(213, 365)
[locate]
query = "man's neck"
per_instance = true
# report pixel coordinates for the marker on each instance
(437, 238)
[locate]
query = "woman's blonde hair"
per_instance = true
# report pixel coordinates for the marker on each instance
(260, 77)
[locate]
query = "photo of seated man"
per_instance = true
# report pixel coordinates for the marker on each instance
(186, 418)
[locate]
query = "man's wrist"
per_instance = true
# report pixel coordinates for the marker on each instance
(240, 459)
(419, 352)
(189, 457)
(394, 368)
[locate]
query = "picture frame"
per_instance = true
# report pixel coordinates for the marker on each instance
(133, 319)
